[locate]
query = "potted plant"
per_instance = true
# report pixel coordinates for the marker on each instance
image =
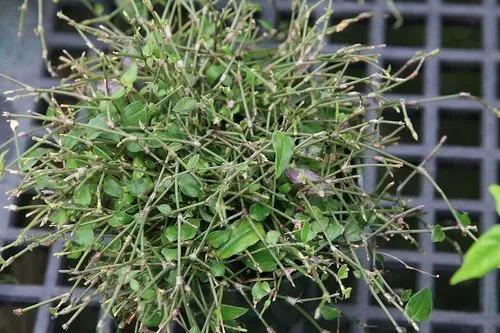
(212, 163)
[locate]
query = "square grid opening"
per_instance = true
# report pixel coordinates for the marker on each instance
(462, 128)
(410, 34)
(464, 297)
(461, 33)
(459, 77)
(28, 269)
(18, 324)
(459, 179)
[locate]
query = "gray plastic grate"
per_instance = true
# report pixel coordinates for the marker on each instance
(466, 31)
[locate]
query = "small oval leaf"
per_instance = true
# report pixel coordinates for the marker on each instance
(185, 105)
(283, 147)
(190, 186)
(419, 306)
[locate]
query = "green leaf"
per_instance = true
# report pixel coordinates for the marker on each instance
(125, 200)
(153, 319)
(438, 234)
(229, 312)
(83, 194)
(419, 306)
(30, 159)
(119, 93)
(259, 212)
(352, 231)
(406, 295)
(333, 230)
(138, 187)
(218, 238)
(242, 237)
(285, 188)
(115, 245)
(266, 25)
(208, 28)
(464, 219)
(165, 209)
(482, 257)
(218, 269)
(188, 230)
(129, 77)
(169, 254)
(262, 260)
(84, 235)
(329, 312)
(193, 162)
(343, 272)
(134, 285)
(272, 237)
(112, 188)
(138, 164)
(59, 216)
(306, 232)
(213, 73)
(184, 105)
(283, 147)
(190, 186)
(119, 219)
(260, 290)
(149, 48)
(98, 124)
(495, 193)
(149, 294)
(134, 113)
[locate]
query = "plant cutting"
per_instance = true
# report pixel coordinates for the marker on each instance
(210, 163)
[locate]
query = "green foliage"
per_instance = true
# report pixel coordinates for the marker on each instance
(283, 148)
(245, 234)
(406, 295)
(482, 257)
(419, 306)
(438, 234)
(185, 105)
(329, 312)
(83, 194)
(190, 186)
(495, 193)
(130, 75)
(259, 212)
(197, 167)
(229, 312)
(84, 235)
(187, 229)
(134, 114)
(260, 290)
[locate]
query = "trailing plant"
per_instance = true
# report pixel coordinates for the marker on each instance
(210, 162)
